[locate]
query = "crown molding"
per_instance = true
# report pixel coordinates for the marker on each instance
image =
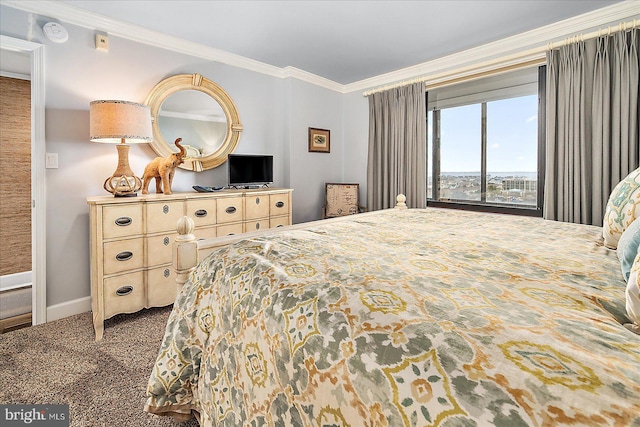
(485, 54)
(92, 21)
(509, 47)
(299, 74)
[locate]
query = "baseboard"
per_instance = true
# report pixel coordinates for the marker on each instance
(69, 308)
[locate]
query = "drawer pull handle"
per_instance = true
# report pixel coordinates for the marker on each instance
(165, 209)
(257, 200)
(201, 213)
(167, 272)
(279, 204)
(123, 221)
(124, 256)
(257, 226)
(279, 225)
(166, 240)
(231, 234)
(230, 209)
(124, 290)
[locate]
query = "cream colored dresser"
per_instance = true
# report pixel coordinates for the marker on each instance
(132, 237)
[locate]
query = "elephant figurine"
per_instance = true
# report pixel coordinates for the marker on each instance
(163, 169)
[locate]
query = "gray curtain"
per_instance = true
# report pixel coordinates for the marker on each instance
(592, 125)
(397, 161)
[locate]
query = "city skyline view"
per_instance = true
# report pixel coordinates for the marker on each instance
(511, 152)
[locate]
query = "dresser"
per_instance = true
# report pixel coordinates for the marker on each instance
(131, 240)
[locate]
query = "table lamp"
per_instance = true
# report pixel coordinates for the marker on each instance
(120, 122)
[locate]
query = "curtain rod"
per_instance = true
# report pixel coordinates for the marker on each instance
(511, 62)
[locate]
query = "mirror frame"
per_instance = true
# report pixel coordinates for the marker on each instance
(179, 82)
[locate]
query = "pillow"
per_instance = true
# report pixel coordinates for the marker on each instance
(628, 247)
(622, 208)
(633, 296)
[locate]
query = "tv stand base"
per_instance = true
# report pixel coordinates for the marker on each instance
(248, 187)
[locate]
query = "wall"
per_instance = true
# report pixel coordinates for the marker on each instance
(275, 113)
(312, 106)
(356, 141)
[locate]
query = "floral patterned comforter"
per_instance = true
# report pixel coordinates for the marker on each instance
(404, 318)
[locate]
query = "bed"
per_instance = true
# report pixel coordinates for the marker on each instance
(400, 317)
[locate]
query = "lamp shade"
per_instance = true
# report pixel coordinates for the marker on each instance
(119, 121)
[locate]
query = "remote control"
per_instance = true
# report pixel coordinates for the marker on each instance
(203, 189)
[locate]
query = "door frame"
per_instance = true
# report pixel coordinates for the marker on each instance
(38, 183)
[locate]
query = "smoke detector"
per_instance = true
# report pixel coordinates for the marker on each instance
(55, 32)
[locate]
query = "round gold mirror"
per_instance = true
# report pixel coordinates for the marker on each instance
(194, 108)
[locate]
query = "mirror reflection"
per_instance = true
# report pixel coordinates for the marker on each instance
(196, 118)
(196, 109)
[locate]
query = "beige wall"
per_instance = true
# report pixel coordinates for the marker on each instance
(15, 175)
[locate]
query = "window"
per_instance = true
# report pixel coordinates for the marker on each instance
(483, 144)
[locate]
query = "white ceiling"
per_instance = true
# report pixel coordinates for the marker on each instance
(343, 41)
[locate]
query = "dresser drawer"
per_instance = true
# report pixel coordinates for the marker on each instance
(120, 221)
(163, 216)
(161, 286)
(256, 225)
(256, 206)
(124, 294)
(123, 255)
(206, 233)
(279, 204)
(229, 209)
(226, 230)
(202, 212)
(158, 249)
(279, 221)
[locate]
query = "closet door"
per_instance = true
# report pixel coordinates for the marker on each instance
(15, 199)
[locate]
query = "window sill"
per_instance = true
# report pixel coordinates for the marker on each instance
(494, 208)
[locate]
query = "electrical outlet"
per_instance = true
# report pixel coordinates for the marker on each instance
(102, 42)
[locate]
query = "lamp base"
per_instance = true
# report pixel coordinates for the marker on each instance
(121, 186)
(123, 182)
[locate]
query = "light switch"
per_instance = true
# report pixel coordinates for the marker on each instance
(51, 161)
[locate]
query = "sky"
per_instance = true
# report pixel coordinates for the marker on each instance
(512, 134)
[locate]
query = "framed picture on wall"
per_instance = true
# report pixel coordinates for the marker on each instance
(319, 140)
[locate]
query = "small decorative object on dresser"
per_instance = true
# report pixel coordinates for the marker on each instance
(319, 140)
(163, 169)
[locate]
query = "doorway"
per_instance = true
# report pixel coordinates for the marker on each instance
(35, 54)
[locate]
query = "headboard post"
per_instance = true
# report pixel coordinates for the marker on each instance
(185, 251)
(400, 201)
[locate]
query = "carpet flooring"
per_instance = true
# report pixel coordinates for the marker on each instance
(104, 383)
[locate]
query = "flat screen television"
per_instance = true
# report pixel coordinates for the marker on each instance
(249, 170)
